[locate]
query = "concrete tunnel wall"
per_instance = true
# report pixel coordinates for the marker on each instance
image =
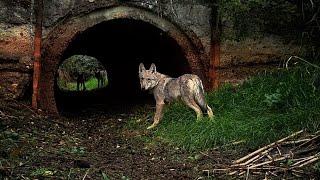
(62, 42)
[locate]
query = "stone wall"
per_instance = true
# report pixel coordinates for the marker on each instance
(15, 47)
(16, 30)
(240, 58)
(190, 15)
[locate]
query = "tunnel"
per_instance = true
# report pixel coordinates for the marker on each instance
(120, 45)
(119, 37)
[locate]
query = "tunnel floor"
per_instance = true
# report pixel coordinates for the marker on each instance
(96, 102)
(121, 45)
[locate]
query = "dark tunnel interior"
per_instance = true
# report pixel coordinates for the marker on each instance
(120, 45)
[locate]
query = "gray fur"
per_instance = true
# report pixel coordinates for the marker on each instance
(187, 87)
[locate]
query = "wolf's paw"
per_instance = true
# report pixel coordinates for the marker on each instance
(212, 117)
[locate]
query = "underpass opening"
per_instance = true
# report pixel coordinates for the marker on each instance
(120, 45)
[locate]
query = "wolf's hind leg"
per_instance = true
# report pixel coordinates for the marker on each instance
(193, 105)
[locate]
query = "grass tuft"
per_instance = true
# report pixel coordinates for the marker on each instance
(262, 110)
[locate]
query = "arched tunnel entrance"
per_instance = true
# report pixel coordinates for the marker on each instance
(120, 38)
(120, 45)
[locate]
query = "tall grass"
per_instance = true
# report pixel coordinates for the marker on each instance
(263, 109)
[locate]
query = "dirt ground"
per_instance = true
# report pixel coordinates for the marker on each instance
(91, 146)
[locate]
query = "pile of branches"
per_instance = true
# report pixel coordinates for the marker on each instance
(288, 156)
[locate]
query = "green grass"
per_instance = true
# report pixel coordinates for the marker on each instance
(91, 84)
(262, 110)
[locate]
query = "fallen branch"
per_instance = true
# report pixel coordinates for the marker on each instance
(294, 142)
(277, 159)
(315, 158)
(267, 162)
(309, 162)
(267, 147)
(256, 158)
(315, 137)
(85, 175)
(303, 160)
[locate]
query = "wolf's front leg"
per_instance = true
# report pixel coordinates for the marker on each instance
(157, 116)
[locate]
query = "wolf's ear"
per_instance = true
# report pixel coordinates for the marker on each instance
(153, 68)
(141, 68)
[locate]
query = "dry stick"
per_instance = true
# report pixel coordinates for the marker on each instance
(279, 151)
(267, 162)
(315, 137)
(269, 157)
(305, 151)
(240, 174)
(297, 171)
(247, 176)
(256, 172)
(266, 147)
(232, 173)
(299, 160)
(310, 161)
(272, 173)
(296, 175)
(86, 174)
(257, 157)
(294, 142)
(227, 169)
(245, 168)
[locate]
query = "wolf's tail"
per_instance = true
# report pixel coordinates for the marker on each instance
(200, 99)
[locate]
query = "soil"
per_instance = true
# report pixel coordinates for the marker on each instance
(91, 146)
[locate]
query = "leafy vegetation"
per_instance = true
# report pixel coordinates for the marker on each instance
(79, 64)
(42, 172)
(265, 108)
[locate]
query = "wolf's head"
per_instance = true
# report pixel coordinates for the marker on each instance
(148, 78)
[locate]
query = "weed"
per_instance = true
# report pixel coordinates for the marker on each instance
(43, 172)
(73, 150)
(104, 176)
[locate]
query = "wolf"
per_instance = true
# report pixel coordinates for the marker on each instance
(187, 87)
(81, 81)
(101, 76)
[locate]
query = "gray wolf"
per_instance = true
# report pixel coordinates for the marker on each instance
(81, 81)
(101, 76)
(187, 87)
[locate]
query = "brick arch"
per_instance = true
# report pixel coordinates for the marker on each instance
(61, 36)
